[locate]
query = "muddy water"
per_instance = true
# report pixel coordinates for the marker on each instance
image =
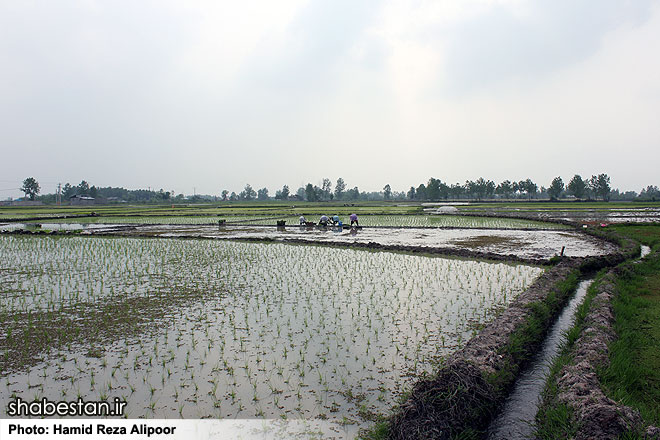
(54, 226)
(226, 329)
(521, 243)
(516, 421)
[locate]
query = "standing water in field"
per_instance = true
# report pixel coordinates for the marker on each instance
(516, 421)
(233, 330)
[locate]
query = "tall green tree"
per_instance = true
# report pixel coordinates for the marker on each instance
(262, 194)
(163, 195)
(529, 187)
(387, 192)
(340, 187)
(326, 189)
(83, 188)
(353, 194)
(68, 190)
(600, 186)
(420, 192)
(651, 192)
(433, 189)
(411, 193)
(556, 188)
(248, 193)
(444, 191)
(310, 193)
(577, 187)
(456, 190)
(489, 188)
(504, 189)
(31, 187)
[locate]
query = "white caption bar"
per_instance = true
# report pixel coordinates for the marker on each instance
(165, 429)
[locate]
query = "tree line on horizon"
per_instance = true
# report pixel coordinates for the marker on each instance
(594, 188)
(597, 187)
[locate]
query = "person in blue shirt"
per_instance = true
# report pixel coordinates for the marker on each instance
(338, 223)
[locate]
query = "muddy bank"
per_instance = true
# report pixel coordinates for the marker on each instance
(449, 252)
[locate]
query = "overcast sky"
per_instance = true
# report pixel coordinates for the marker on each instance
(195, 95)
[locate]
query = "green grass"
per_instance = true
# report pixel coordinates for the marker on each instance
(633, 376)
(648, 235)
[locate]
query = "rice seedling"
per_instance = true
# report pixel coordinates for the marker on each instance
(268, 329)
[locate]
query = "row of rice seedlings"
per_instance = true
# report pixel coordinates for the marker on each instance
(147, 220)
(48, 273)
(294, 331)
(456, 221)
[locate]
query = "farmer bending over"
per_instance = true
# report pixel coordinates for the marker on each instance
(354, 219)
(324, 220)
(302, 220)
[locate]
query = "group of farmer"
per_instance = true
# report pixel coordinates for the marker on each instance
(335, 220)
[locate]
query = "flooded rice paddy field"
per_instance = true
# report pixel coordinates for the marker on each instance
(578, 215)
(450, 221)
(225, 329)
(447, 221)
(600, 216)
(532, 244)
(644, 216)
(58, 226)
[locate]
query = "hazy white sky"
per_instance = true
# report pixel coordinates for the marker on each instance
(216, 94)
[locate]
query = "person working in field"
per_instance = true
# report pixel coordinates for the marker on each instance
(324, 220)
(354, 219)
(303, 221)
(339, 226)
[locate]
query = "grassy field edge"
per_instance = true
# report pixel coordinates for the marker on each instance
(634, 386)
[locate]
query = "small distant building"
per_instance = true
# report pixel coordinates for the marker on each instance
(82, 200)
